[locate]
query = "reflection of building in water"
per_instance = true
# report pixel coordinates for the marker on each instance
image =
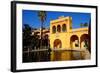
(63, 37)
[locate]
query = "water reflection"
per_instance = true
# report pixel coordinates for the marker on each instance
(70, 55)
(59, 55)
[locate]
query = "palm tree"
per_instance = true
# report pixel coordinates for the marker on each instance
(42, 15)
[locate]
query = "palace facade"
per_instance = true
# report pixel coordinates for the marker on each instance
(63, 38)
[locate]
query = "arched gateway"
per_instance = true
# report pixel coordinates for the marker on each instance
(57, 43)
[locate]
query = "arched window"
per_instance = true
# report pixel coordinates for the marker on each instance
(59, 28)
(64, 27)
(54, 29)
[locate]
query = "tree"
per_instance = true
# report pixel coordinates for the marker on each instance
(30, 42)
(85, 24)
(35, 41)
(27, 30)
(42, 16)
(27, 39)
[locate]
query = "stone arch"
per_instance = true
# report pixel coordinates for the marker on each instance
(57, 43)
(74, 41)
(54, 29)
(84, 41)
(58, 28)
(64, 27)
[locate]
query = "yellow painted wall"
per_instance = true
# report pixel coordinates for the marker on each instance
(65, 36)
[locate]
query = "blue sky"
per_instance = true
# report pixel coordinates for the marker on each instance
(31, 18)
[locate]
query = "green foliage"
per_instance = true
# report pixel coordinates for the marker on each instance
(27, 35)
(83, 24)
(35, 41)
(29, 40)
(42, 15)
(86, 44)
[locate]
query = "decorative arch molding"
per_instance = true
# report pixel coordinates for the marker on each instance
(57, 43)
(74, 41)
(84, 41)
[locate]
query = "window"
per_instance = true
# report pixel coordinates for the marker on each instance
(59, 28)
(53, 29)
(64, 27)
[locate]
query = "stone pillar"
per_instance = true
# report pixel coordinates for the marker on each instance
(79, 42)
